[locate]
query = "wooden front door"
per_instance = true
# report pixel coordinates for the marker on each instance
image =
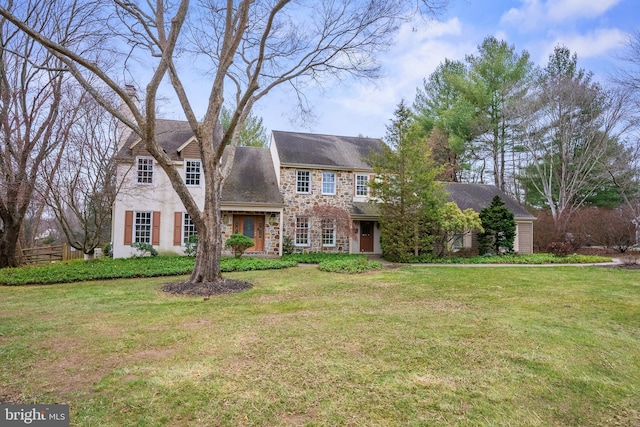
(251, 226)
(366, 236)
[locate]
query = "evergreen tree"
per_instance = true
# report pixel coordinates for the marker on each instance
(409, 197)
(499, 228)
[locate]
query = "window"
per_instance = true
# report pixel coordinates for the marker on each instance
(328, 183)
(188, 228)
(145, 170)
(302, 232)
(362, 185)
(142, 227)
(457, 242)
(328, 232)
(192, 172)
(303, 182)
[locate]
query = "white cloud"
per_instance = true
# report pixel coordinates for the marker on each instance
(599, 42)
(534, 14)
(561, 10)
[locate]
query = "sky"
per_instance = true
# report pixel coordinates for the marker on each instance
(593, 29)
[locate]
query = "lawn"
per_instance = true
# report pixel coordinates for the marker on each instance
(407, 346)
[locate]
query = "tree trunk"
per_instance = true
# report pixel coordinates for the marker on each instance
(8, 244)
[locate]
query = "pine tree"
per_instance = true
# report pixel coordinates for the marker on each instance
(499, 228)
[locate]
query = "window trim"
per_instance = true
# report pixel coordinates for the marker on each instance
(366, 186)
(333, 232)
(199, 184)
(329, 182)
(149, 171)
(298, 226)
(136, 224)
(298, 181)
(183, 239)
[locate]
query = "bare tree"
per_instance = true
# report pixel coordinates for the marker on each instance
(81, 185)
(250, 47)
(36, 111)
(570, 128)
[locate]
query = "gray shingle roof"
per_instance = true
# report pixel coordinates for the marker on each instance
(170, 134)
(295, 148)
(252, 179)
(478, 197)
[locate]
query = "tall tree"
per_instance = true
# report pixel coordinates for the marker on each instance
(250, 47)
(82, 185)
(448, 117)
(570, 127)
(38, 105)
(407, 193)
(253, 132)
(497, 77)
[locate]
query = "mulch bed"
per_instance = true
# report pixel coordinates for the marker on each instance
(206, 289)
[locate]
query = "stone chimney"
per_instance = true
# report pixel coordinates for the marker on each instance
(123, 130)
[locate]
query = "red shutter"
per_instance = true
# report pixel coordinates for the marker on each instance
(177, 229)
(128, 227)
(155, 228)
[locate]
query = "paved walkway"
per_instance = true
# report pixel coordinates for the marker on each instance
(613, 263)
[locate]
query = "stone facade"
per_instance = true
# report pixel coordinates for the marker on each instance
(315, 205)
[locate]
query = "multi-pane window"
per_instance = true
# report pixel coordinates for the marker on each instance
(362, 185)
(328, 183)
(144, 167)
(302, 232)
(142, 227)
(188, 228)
(303, 182)
(328, 232)
(192, 172)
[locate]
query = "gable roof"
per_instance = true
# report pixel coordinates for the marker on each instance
(252, 179)
(338, 152)
(478, 197)
(172, 136)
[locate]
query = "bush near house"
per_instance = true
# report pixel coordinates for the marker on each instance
(239, 243)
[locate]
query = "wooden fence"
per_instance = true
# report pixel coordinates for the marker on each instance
(47, 254)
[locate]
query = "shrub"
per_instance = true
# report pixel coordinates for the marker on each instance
(561, 249)
(287, 245)
(144, 249)
(107, 250)
(349, 266)
(239, 243)
(499, 228)
(191, 247)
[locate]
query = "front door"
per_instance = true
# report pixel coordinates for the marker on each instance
(251, 226)
(366, 236)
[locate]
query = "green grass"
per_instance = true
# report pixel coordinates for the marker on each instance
(413, 346)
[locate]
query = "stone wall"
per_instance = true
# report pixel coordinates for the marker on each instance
(316, 205)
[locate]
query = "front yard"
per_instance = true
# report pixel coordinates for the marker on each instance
(409, 346)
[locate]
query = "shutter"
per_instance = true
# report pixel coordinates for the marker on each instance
(128, 227)
(371, 178)
(177, 229)
(155, 228)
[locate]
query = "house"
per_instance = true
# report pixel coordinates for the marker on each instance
(478, 197)
(306, 190)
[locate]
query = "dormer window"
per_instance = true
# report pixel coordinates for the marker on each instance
(303, 182)
(144, 168)
(192, 172)
(329, 183)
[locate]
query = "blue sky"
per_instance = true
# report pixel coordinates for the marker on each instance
(594, 29)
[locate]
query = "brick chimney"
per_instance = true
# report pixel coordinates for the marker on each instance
(123, 131)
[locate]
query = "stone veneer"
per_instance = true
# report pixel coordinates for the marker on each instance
(271, 231)
(301, 205)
